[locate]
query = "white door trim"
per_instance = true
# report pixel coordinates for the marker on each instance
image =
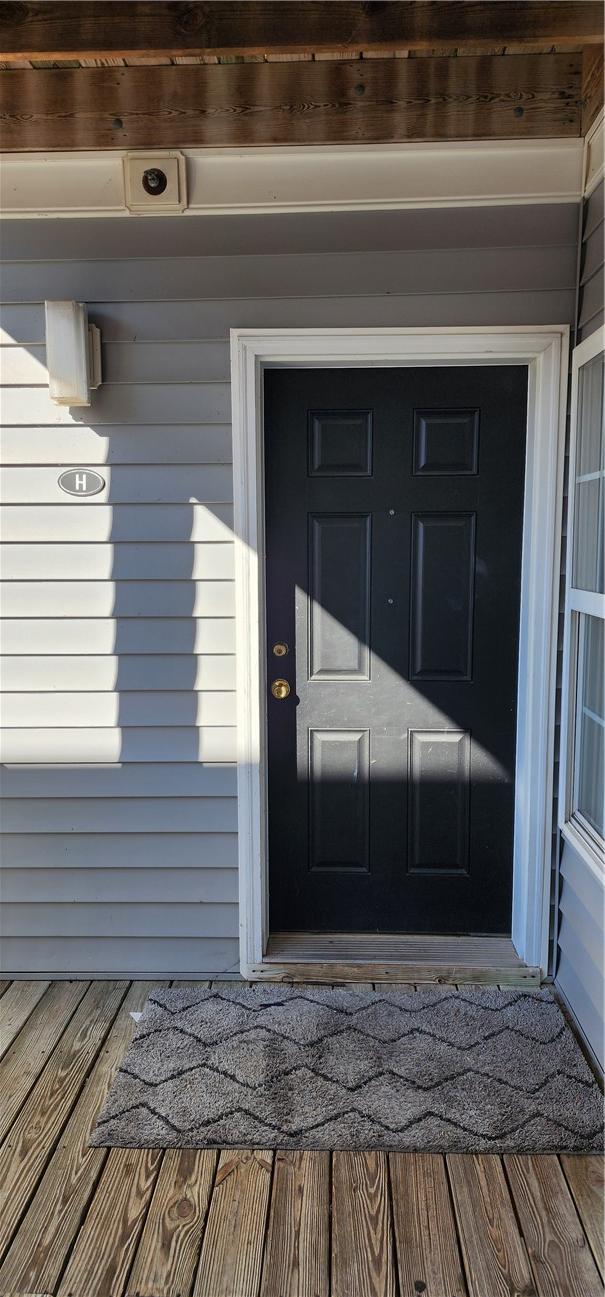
(545, 352)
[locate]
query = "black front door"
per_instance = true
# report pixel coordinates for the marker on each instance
(394, 511)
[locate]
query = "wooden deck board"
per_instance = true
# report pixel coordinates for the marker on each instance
(425, 1232)
(495, 1256)
(362, 1242)
(585, 1178)
(92, 1222)
(104, 1248)
(169, 1247)
(20, 1000)
(559, 1254)
(297, 1255)
(39, 1251)
(31, 1050)
(233, 1242)
(36, 1130)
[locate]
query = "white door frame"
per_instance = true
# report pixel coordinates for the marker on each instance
(545, 351)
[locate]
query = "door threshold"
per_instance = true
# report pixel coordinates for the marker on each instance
(388, 957)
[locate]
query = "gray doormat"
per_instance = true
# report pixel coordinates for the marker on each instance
(269, 1066)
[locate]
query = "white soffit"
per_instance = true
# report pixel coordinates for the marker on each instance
(346, 178)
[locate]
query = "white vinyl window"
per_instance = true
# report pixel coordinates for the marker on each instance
(582, 791)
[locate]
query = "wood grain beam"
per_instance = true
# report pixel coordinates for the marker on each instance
(593, 74)
(394, 100)
(94, 29)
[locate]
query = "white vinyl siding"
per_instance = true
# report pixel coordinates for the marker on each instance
(118, 669)
(592, 285)
(581, 965)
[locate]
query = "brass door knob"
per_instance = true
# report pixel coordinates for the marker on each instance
(280, 689)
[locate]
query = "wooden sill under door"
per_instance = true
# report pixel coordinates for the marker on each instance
(374, 957)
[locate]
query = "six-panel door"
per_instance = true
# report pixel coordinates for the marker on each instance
(394, 510)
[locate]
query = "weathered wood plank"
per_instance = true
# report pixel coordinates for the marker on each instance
(4, 985)
(362, 1244)
(592, 85)
(39, 1250)
(17, 1005)
(169, 1249)
(296, 1260)
(559, 1254)
(161, 29)
(233, 1240)
(426, 1246)
(516, 97)
(585, 1177)
(29, 1053)
(34, 1132)
(427, 974)
(101, 1259)
(493, 1251)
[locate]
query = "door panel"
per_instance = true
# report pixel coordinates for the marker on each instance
(339, 591)
(439, 800)
(441, 603)
(394, 510)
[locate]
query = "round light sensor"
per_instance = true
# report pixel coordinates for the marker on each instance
(154, 181)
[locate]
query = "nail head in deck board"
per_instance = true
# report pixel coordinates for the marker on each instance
(426, 1246)
(42, 1243)
(48, 31)
(297, 1262)
(233, 1240)
(101, 1258)
(33, 1134)
(585, 1177)
(17, 1005)
(169, 1247)
(362, 1243)
(30, 1051)
(285, 103)
(493, 1251)
(558, 1251)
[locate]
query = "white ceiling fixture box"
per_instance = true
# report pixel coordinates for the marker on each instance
(155, 183)
(73, 353)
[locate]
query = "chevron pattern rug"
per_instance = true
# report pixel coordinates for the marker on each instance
(268, 1066)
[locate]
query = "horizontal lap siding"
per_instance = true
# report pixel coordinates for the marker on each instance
(581, 966)
(118, 642)
(592, 283)
(118, 667)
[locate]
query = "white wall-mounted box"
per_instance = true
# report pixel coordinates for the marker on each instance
(155, 184)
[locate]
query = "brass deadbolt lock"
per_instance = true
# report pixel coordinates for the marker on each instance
(280, 649)
(280, 689)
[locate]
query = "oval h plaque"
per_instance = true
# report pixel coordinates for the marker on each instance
(81, 481)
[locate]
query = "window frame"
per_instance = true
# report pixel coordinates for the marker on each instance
(574, 828)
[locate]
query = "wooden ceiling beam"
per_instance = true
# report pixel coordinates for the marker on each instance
(391, 100)
(593, 76)
(96, 29)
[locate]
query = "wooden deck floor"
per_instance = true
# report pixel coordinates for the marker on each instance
(90, 1222)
